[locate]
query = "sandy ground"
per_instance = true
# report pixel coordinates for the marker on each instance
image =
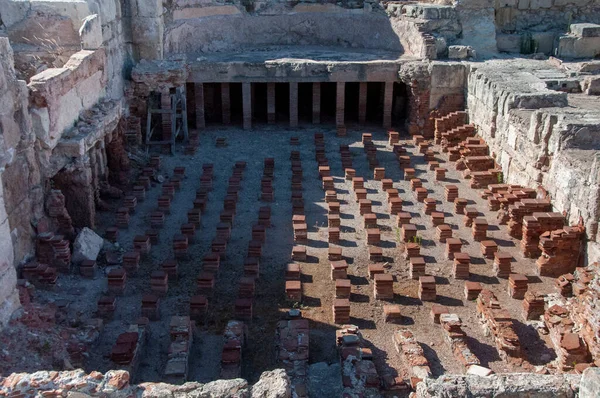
(79, 295)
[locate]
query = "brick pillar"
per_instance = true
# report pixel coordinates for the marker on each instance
(316, 103)
(362, 102)
(270, 103)
(339, 104)
(293, 104)
(247, 105)
(388, 97)
(225, 103)
(199, 97)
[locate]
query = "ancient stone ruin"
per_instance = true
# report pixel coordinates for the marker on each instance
(299, 199)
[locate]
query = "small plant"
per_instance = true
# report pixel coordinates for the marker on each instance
(416, 239)
(500, 177)
(397, 234)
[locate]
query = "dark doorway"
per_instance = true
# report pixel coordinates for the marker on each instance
(351, 103)
(375, 93)
(399, 104)
(212, 103)
(237, 107)
(282, 102)
(305, 102)
(259, 102)
(328, 99)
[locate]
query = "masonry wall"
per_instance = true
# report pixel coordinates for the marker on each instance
(36, 118)
(541, 20)
(217, 27)
(13, 102)
(538, 141)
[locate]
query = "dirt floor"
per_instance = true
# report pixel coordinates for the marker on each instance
(78, 296)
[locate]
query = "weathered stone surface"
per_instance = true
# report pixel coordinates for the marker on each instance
(273, 384)
(505, 385)
(115, 383)
(590, 383)
(87, 246)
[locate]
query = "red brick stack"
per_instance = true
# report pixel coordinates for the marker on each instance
(106, 307)
(500, 324)
(460, 205)
(116, 281)
(417, 267)
(448, 123)
(234, 339)
(488, 248)
(560, 251)
(357, 360)
(462, 262)
(533, 306)
(457, 339)
(159, 282)
(427, 290)
(472, 290)
(341, 311)
(411, 353)
(151, 307)
(339, 269)
(534, 226)
(87, 268)
(131, 262)
(198, 308)
(517, 286)
(525, 207)
(480, 227)
(502, 264)
(293, 290)
(568, 345)
(453, 245)
(343, 288)
(383, 288)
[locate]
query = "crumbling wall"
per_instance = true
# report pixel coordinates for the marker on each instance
(514, 385)
(213, 27)
(525, 26)
(60, 94)
(12, 102)
(116, 383)
(34, 119)
(537, 139)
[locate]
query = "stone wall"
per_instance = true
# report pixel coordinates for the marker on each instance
(13, 102)
(537, 139)
(58, 95)
(116, 383)
(539, 20)
(514, 385)
(35, 118)
(219, 27)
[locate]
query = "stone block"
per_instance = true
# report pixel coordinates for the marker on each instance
(87, 246)
(585, 30)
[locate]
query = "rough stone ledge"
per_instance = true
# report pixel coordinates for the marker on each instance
(115, 383)
(55, 82)
(502, 385)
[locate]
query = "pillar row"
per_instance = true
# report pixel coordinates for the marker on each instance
(199, 99)
(293, 104)
(247, 105)
(362, 103)
(271, 103)
(316, 103)
(339, 104)
(225, 103)
(388, 98)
